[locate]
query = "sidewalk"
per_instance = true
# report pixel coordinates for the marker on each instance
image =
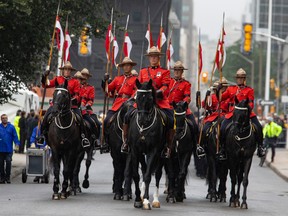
(279, 166)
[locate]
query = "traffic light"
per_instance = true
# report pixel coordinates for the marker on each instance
(277, 92)
(272, 109)
(272, 83)
(85, 42)
(204, 77)
(246, 46)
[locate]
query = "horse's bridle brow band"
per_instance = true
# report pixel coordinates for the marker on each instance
(61, 89)
(141, 90)
(241, 108)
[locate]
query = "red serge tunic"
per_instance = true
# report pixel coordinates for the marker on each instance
(242, 93)
(125, 87)
(180, 90)
(161, 81)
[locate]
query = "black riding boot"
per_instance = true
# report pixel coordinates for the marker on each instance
(261, 150)
(170, 145)
(85, 142)
(221, 155)
(125, 146)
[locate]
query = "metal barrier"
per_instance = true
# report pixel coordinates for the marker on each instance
(281, 141)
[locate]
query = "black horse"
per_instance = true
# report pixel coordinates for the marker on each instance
(63, 139)
(114, 138)
(92, 134)
(184, 143)
(217, 169)
(146, 137)
(240, 147)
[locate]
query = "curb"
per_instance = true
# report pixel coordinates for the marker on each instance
(16, 170)
(271, 166)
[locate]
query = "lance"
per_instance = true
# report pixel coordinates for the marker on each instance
(47, 68)
(198, 96)
(106, 82)
(121, 53)
(220, 74)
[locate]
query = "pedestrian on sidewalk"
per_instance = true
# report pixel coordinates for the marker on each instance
(7, 136)
(23, 131)
(271, 132)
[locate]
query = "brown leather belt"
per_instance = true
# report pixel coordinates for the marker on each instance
(123, 96)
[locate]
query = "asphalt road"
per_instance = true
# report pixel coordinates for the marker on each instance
(267, 195)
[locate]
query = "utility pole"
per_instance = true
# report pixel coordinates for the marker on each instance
(268, 59)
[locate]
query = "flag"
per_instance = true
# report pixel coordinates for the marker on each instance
(221, 52)
(109, 39)
(200, 60)
(59, 34)
(148, 36)
(169, 53)
(67, 45)
(127, 45)
(115, 51)
(161, 39)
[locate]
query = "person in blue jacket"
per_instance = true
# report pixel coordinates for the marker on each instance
(33, 139)
(8, 134)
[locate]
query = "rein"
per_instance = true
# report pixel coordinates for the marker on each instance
(141, 129)
(242, 138)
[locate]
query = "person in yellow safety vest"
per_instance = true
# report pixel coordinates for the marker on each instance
(271, 132)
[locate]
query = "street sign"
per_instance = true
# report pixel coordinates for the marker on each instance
(284, 99)
(263, 103)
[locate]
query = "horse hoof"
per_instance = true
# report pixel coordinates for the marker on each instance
(171, 200)
(78, 190)
(85, 184)
(63, 196)
(209, 196)
(213, 199)
(156, 204)
(244, 206)
(184, 196)
(146, 206)
(126, 197)
(179, 199)
(56, 196)
(165, 191)
(117, 197)
(138, 204)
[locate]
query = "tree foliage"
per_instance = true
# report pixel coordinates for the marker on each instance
(258, 56)
(26, 28)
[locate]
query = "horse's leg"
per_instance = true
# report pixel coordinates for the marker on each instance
(136, 177)
(85, 183)
(75, 185)
(184, 163)
(68, 168)
(173, 169)
(222, 171)
(158, 175)
(239, 182)
(151, 162)
(247, 167)
(118, 176)
(127, 192)
(212, 178)
(56, 169)
(233, 177)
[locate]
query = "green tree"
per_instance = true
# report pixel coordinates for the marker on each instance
(26, 28)
(258, 56)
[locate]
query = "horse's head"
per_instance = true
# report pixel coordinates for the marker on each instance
(180, 115)
(241, 114)
(145, 96)
(61, 97)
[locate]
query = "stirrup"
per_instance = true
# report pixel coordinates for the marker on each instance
(125, 148)
(85, 143)
(221, 156)
(200, 152)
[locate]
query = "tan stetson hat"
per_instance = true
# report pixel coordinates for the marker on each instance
(179, 65)
(224, 81)
(78, 75)
(85, 71)
(241, 73)
(127, 60)
(154, 51)
(67, 65)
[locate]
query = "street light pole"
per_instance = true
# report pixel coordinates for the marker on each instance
(268, 59)
(250, 62)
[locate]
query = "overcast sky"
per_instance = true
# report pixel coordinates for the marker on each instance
(208, 14)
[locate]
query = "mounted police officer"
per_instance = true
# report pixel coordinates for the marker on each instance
(87, 95)
(73, 88)
(161, 80)
(242, 92)
(211, 104)
(180, 90)
(122, 88)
